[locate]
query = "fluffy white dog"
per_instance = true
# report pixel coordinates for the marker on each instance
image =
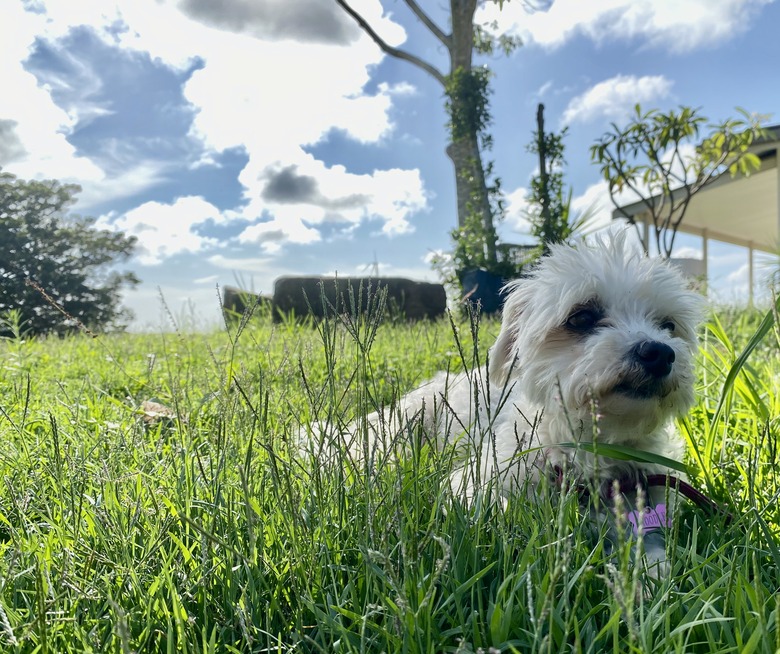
(596, 345)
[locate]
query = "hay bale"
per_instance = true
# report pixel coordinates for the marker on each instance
(321, 296)
(236, 301)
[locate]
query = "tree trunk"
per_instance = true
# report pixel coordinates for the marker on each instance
(464, 151)
(471, 188)
(544, 196)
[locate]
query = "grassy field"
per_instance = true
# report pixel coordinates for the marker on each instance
(206, 531)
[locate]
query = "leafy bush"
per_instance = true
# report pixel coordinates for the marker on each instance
(56, 269)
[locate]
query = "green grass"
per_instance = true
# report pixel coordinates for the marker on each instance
(209, 532)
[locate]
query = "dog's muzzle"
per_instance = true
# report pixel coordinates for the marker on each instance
(650, 364)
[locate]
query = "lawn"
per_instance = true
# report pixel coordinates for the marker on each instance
(207, 531)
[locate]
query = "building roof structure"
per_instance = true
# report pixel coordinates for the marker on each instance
(741, 210)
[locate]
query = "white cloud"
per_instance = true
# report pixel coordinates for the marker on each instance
(137, 178)
(676, 25)
(271, 234)
(245, 96)
(40, 126)
(594, 201)
(544, 89)
(272, 96)
(165, 230)
(687, 252)
(596, 204)
(275, 108)
(276, 19)
(317, 195)
(615, 98)
(740, 275)
(516, 205)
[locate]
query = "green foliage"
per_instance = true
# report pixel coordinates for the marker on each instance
(475, 244)
(647, 161)
(549, 203)
(468, 102)
(56, 268)
(13, 326)
(486, 42)
(467, 91)
(468, 107)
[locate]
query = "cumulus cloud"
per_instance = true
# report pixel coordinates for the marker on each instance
(593, 203)
(271, 234)
(286, 186)
(676, 25)
(165, 230)
(318, 89)
(516, 206)
(272, 78)
(136, 178)
(36, 129)
(597, 206)
(289, 194)
(304, 20)
(296, 202)
(615, 98)
(740, 275)
(688, 252)
(11, 147)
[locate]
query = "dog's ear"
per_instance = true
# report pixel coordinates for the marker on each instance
(503, 353)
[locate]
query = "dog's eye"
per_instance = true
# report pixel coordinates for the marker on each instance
(668, 325)
(583, 320)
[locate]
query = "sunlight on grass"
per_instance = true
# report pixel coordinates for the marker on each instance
(207, 530)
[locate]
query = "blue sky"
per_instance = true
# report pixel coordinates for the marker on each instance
(247, 139)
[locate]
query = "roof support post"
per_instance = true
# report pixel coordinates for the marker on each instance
(777, 165)
(705, 259)
(750, 274)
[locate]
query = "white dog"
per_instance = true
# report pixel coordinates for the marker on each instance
(596, 344)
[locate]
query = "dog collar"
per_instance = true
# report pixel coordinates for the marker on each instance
(694, 495)
(629, 484)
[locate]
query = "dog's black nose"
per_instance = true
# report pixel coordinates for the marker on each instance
(656, 358)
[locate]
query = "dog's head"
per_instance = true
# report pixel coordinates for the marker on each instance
(601, 327)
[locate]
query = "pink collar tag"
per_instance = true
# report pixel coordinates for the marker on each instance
(654, 517)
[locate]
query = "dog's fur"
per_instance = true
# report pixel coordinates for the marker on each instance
(597, 343)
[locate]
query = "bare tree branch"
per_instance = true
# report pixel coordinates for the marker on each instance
(426, 20)
(390, 50)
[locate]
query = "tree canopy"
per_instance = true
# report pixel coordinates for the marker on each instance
(57, 269)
